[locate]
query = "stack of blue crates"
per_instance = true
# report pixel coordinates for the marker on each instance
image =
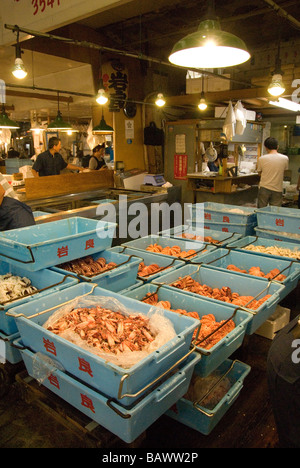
(278, 223)
(31, 251)
(210, 267)
(123, 400)
(226, 218)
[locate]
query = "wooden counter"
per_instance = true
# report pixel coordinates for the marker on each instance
(219, 188)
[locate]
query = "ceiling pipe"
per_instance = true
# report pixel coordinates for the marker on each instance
(139, 56)
(281, 12)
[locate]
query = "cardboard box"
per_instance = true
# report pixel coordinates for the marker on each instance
(276, 322)
(211, 84)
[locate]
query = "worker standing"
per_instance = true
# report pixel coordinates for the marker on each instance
(271, 167)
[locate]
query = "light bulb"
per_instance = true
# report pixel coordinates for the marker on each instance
(276, 87)
(160, 102)
(202, 104)
(19, 70)
(101, 97)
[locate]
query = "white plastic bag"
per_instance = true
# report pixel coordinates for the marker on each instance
(161, 327)
(240, 116)
(229, 124)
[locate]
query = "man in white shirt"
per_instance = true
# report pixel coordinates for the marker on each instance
(13, 213)
(271, 167)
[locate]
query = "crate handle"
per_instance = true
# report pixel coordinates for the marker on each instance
(243, 246)
(197, 402)
(125, 376)
(37, 291)
(52, 308)
(119, 413)
(207, 352)
(17, 259)
(168, 388)
(158, 271)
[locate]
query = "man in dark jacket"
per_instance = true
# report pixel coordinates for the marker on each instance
(51, 162)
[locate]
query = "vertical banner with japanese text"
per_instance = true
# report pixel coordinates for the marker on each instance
(180, 166)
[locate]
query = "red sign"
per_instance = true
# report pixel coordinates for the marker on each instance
(180, 166)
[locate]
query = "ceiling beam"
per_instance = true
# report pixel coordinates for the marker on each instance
(46, 97)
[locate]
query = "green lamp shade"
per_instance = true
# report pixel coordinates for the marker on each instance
(59, 124)
(6, 122)
(209, 47)
(103, 127)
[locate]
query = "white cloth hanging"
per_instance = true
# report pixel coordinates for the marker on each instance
(240, 116)
(229, 124)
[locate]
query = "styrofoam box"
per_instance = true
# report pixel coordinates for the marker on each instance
(222, 258)
(127, 424)
(192, 230)
(276, 322)
(213, 357)
(116, 279)
(240, 244)
(204, 420)
(11, 354)
(279, 218)
(240, 284)
(165, 263)
(46, 281)
(48, 244)
(97, 372)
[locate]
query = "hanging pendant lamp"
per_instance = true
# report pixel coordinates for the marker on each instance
(160, 100)
(209, 46)
(276, 87)
(103, 128)
(58, 123)
(6, 122)
(19, 70)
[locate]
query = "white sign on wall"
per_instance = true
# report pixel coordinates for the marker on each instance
(46, 15)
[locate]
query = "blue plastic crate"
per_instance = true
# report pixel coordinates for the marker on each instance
(277, 235)
(46, 281)
(259, 241)
(185, 245)
(278, 218)
(242, 229)
(212, 358)
(127, 424)
(192, 230)
(193, 414)
(8, 353)
(240, 284)
(48, 244)
(222, 213)
(148, 258)
(125, 385)
(121, 277)
(221, 258)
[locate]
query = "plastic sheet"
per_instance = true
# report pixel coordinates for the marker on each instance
(160, 326)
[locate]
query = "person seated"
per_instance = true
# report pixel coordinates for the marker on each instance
(14, 214)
